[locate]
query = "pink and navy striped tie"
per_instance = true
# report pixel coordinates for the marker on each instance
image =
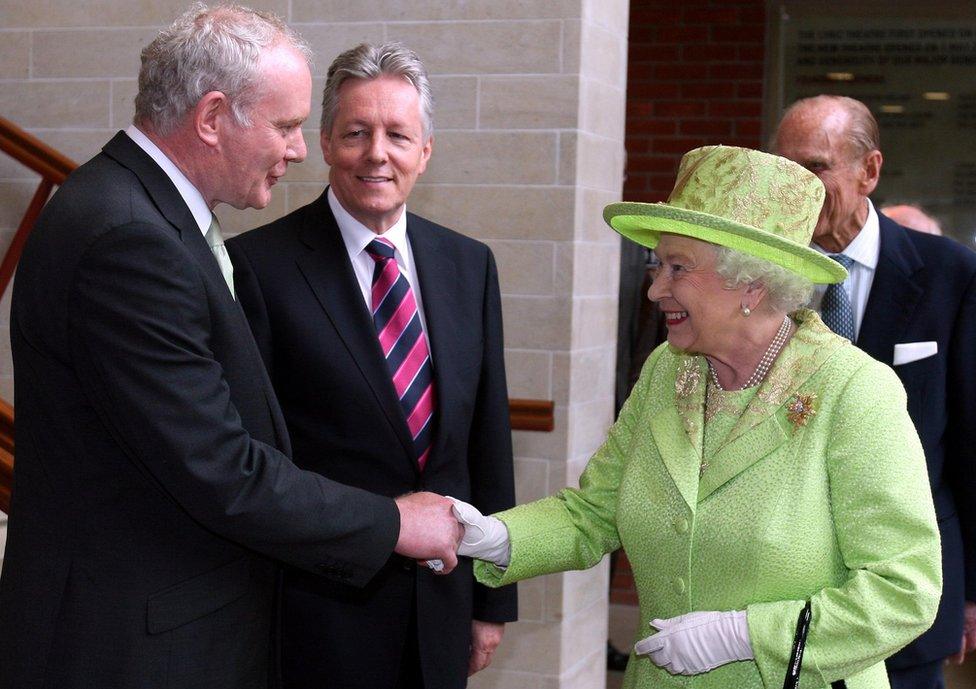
(401, 335)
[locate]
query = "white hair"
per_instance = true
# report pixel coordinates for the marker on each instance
(785, 290)
(208, 50)
(367, 61)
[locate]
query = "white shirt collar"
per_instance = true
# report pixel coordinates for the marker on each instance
(866, 245)
(191, 195)
(357, 236)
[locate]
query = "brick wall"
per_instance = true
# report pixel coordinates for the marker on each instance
(695, 77)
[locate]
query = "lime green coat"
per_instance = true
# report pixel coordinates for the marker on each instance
(819, 492)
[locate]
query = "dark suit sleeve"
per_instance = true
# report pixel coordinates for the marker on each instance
(140, 331)
(961, 428)
(490, 448)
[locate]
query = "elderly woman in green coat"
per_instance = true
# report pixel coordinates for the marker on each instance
(761, 461)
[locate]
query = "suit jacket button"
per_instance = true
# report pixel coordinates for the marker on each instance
(681, 525)
(679, 585)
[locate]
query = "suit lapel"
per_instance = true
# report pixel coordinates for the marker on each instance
(330, 277)
(443, 313)
(894, 293)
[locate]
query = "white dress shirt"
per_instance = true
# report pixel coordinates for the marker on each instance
(357, 236)
(193, 198)
(864, 250)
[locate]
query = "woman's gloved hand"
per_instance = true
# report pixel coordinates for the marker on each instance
(697, 642)
(485, 538)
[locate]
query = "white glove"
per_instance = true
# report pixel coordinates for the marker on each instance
(485, 538)
(698, 642)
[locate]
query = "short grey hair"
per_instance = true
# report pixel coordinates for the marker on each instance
(367, 61)
(861, 132)
(204, 50)
(786, 290)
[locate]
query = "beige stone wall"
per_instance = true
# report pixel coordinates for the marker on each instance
(528, 148)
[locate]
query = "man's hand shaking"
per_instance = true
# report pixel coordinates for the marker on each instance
(428, 529)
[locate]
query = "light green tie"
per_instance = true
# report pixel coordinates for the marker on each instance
(216, 242)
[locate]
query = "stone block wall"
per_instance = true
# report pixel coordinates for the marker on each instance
(529, 130)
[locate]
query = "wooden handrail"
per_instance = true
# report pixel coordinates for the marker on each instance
(30, 151)
(53, 167)
(531, 415)
(6, 454)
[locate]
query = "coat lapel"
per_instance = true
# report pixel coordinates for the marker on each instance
(678, 429)
(443, 313)
(763, 426)
(895, 294)
(681, 458)
(330, 277)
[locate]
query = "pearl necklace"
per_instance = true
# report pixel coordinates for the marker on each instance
(765, 363)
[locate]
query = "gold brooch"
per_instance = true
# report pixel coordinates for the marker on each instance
(799, 409)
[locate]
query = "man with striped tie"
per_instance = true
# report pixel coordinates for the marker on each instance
(910, 302)
(382, 333)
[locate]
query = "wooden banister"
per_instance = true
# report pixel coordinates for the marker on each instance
(6, 454)
(31, 152)
(531, 415)
(51, 165)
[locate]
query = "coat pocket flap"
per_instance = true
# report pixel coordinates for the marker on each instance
(197, 597)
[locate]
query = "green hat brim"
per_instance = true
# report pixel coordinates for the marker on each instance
(645, 222)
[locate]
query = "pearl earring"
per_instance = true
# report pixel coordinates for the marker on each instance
(746, 311)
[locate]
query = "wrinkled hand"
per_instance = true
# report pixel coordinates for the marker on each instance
(968, 634)
(485, 637)
(697, 642)
(485, 538)
(428, 529)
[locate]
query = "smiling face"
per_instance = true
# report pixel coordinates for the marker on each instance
(701, 313)
(255, 156)
(376, 149)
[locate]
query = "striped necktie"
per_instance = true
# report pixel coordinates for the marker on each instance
(835, 307)
(402, 340)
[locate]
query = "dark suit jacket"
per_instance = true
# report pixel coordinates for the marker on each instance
(924, 289)
(152, 481)
(313, 328)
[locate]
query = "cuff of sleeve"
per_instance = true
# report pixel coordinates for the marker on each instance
(772, 627)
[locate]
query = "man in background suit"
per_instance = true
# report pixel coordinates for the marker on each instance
(153, 485)
(382, 333)
(910, 302)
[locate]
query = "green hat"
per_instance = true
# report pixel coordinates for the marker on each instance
(760, 204)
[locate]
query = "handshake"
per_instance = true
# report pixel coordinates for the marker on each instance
(436, 530)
